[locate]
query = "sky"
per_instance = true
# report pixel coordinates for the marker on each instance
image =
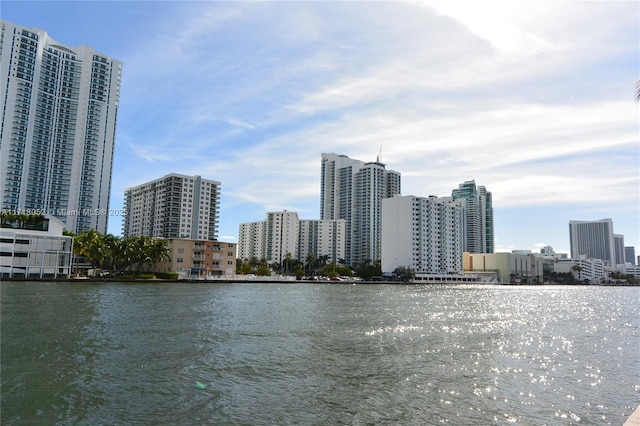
(534, 100)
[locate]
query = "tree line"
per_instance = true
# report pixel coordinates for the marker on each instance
(112, 253)
(312, 266)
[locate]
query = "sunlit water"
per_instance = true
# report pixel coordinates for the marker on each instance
(183, 354)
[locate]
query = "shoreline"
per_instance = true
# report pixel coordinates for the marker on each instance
(98, 280)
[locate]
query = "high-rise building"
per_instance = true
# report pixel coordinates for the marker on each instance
(478, 205)
(59, 109)
(282, 234)
(174, 206)
(322, 238)
(281, 231)
(425, 234)
(618, 243)
(593, 239)
(353, 190)
(251, 240)
(630, 255)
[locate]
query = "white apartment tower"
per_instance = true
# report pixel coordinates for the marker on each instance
(478, 205)
(251, 240)
(593, 239)
(353, 190)
(322, 238)
(174, 206)
(59, 109)
(282, 233)
(425, 234)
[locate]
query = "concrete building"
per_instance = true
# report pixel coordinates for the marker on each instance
(509, 268)
(593, 239)
(174, 206)
(251, 240)
(425, 234)
(478, 205)
(630, 255)
(618, 244)
(199, 259)
(322, 238)
(629, 269)
(584, 269)
(283, 233)
(353, 190)
(60, 105)
(35, 250)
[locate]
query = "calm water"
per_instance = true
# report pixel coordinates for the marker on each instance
(252, 354)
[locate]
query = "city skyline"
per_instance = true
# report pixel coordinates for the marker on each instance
(535, 101)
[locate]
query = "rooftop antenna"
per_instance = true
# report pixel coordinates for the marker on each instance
(379, 154)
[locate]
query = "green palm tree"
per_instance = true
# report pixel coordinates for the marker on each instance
(159, 251)
(89, 244)
(310, 260)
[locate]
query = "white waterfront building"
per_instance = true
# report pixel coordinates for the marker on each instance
(283, 233)
(583, 268)
(174, 206)
(353, 190)
(59, 109)
(35, 252)
(422, 233)
(252, 240)
(322, 238)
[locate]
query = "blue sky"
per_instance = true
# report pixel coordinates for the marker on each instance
(534, 100)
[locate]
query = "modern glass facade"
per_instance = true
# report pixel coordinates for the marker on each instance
(59, 109)
(478, 204)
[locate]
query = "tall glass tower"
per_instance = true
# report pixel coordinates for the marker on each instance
(59, 109)
(478, 204)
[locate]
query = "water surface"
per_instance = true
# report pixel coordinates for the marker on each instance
(318, 354)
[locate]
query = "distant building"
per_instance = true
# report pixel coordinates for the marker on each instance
(322, 238)
(251, 240)
(353, 191)
(199, 258)
(424, 234)
(593, 239)
(584, 269)
(630, 255)
(174, 206)
(35, 250)
(629, 269)
(547, 251)
(478, 205)
(510, 268)
(618, 242)
(283, 233)
(59, 109)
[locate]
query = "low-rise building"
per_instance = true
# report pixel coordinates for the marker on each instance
(584, 269)
(199, 258)
(34, 248)
(510, 268)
